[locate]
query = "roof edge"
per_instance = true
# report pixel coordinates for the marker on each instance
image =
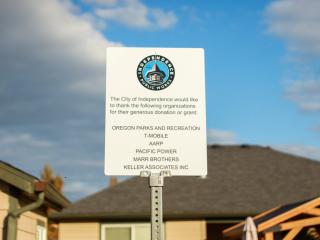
(145, 216)
(26, 183)
(56, 197)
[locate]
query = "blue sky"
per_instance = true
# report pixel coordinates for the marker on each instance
(262, 75)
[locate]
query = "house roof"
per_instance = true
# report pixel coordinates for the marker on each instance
(272, 220)
(242, 181)
(29, 185)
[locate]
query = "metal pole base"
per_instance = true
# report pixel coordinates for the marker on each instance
(156, 182)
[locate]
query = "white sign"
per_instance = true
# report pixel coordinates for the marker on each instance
(155, 111)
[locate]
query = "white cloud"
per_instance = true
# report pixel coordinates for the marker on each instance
(215, 136)
(192, 14)
(7, 139)
(52, 64)
(24, 150)
(316, 128)
(80, 186)
(71, 159)
(101, 2)
(134, 13)
(56, 40)
(311, 152)
(86, 163)
(306, 94)
(11, 143)
(163, 19)
(297, 22)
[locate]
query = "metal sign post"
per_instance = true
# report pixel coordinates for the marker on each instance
(156, 182)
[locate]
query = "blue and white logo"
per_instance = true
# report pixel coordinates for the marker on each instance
(155, 72)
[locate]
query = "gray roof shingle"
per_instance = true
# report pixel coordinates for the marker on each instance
(242, 180)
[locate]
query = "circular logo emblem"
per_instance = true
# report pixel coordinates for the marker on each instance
(155, 72)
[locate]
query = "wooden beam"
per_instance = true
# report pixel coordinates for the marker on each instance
(313, 211)
(266, 212)
(238, 228)
(289, 214)
(233, 230)
(268, 236)
(294, 232)
(295, 224)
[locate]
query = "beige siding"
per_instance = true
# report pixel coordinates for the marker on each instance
(185, 230)
(79, 231)
(4, 206)
(25, 236)
(27, 223)
(3, 214)
(4, 198)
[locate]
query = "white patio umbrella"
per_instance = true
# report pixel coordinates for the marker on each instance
(249, 230)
